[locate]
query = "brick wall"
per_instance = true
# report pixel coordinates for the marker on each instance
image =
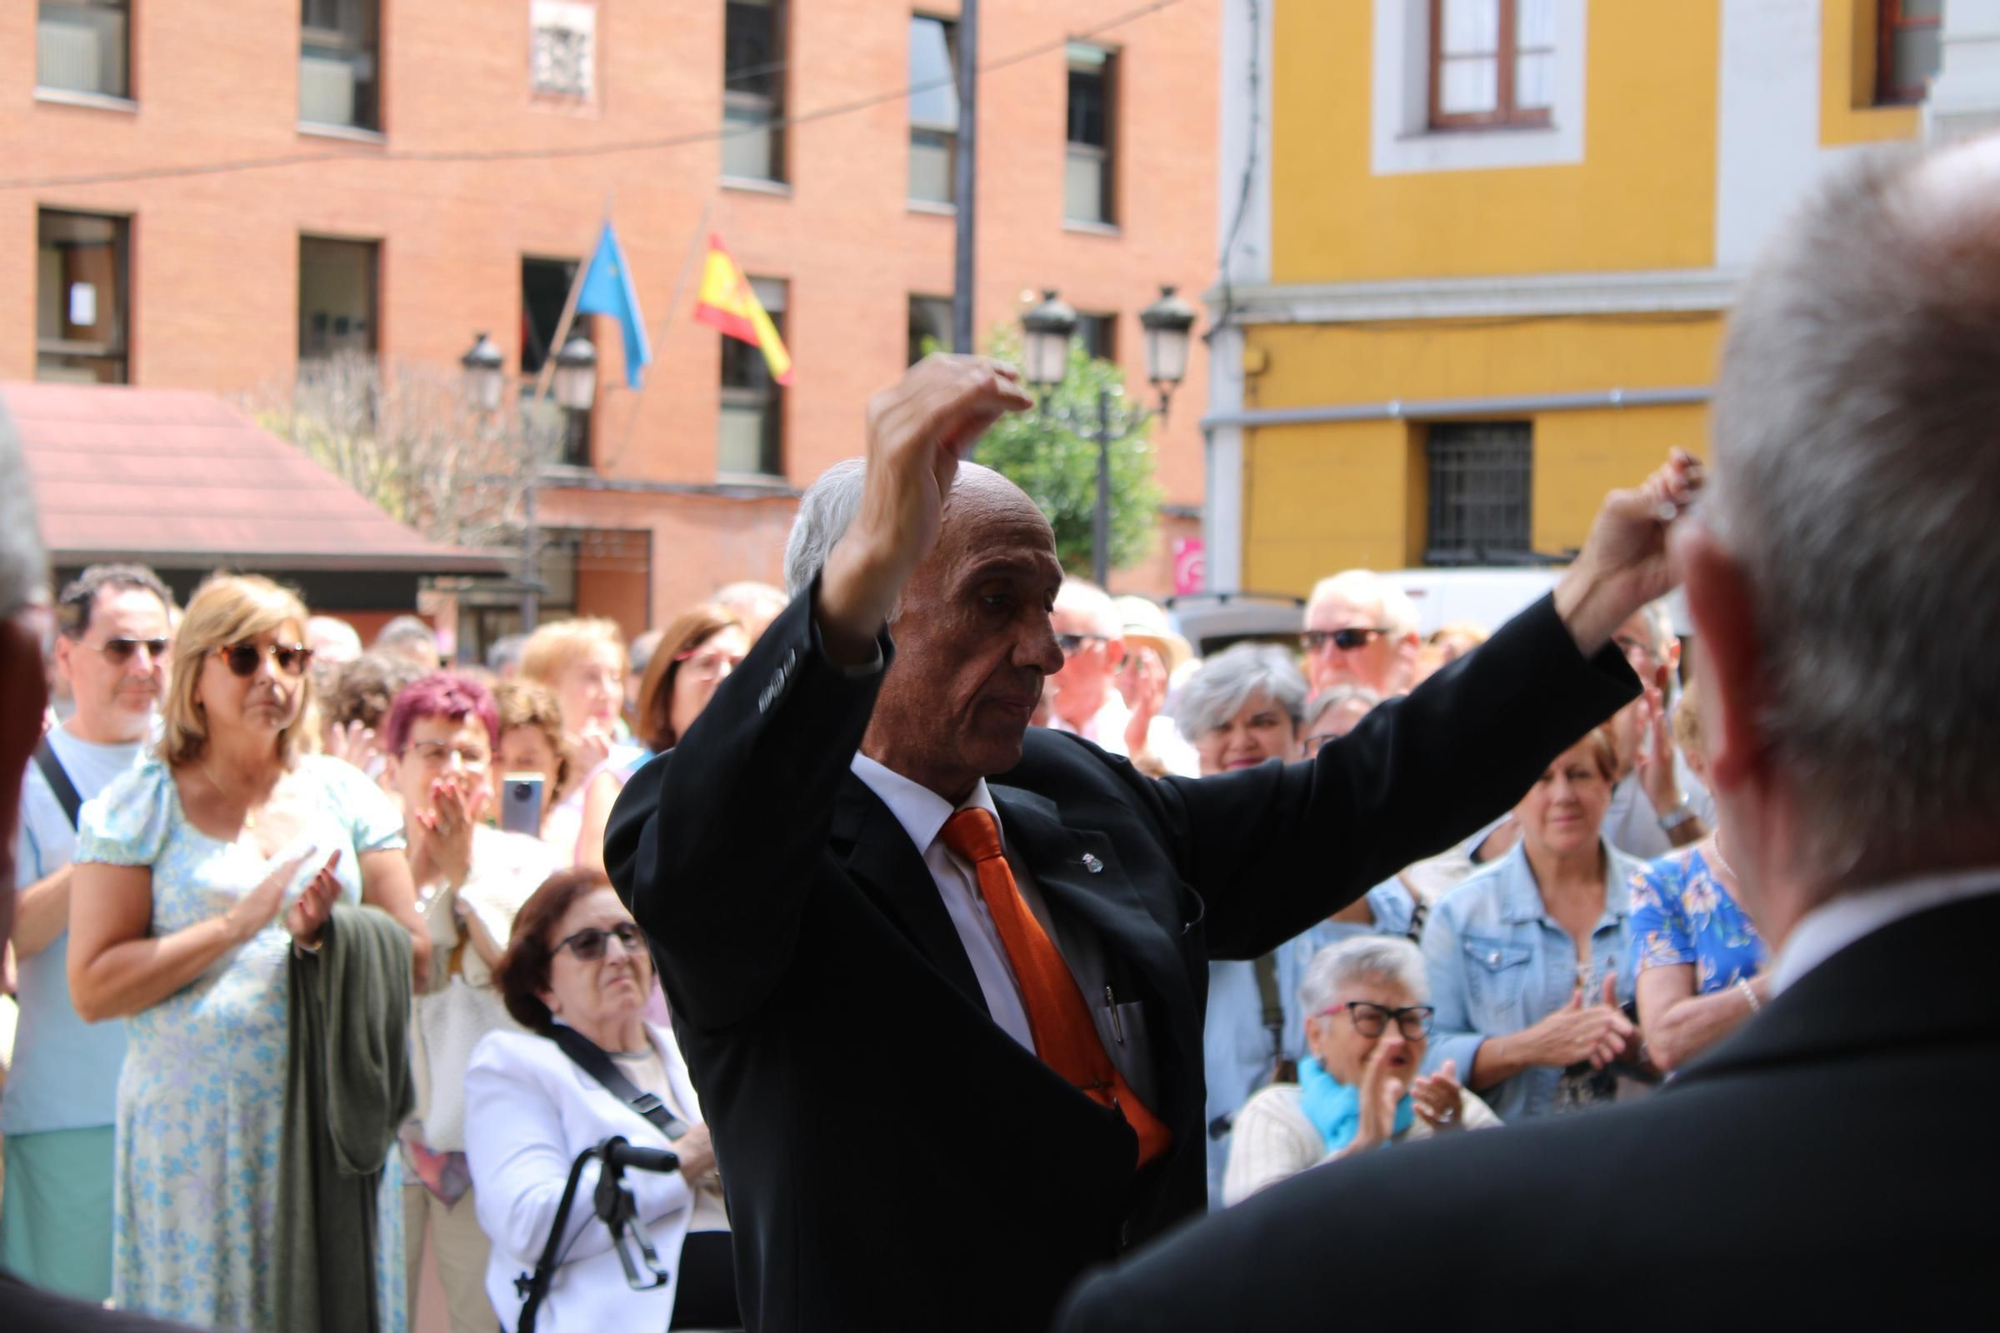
(215, 257)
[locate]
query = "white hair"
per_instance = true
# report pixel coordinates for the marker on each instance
(24, 564)
(1365, 589)
(1331, 698)
(1389, 959)
(1233, 677)
(1086, 598)
(825, 510)
(1857, 475)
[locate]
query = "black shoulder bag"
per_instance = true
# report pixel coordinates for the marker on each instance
(613, 1202)
(57, 777)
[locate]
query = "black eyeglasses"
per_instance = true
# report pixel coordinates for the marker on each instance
(1075, 643)
(119, 651)
(588, 943)
(242, 658)
(1372, 1020)
(1347, 640)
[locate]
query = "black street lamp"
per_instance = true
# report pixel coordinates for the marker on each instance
(1046, 331)
(576, 374)
(485, 374)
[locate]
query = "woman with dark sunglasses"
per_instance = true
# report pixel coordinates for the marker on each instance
(1369, 1025)
(198, 875)
(578, 968)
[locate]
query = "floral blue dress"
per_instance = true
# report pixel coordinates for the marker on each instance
(1681, 914)
(201, 1100)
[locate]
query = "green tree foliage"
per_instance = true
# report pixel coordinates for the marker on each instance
(1052, 456)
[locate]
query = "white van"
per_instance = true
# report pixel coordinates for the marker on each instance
(1485, 597)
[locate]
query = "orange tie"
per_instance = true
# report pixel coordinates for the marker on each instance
(1065, 1038)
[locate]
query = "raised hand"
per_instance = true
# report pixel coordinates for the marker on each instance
(1380, 1093)
(308, 915)
(1658, 777)
(354, 743)
(441, 837)
(589, 748)
(918, 431)
(257, 908)
(1439, 1099)
(1623, 564)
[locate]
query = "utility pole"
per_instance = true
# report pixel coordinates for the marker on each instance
(965, 174)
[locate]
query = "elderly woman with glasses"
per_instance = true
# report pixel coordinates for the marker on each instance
(198, 873)
(1368, 1028)
(589, 1067)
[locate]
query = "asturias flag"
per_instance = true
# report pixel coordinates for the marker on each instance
(728, 302)
(607, 290)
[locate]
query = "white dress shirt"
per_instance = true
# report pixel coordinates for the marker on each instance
(922, 813)
(1831, 927)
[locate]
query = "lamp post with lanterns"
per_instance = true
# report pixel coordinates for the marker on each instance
(574, 383)
(1046, 331)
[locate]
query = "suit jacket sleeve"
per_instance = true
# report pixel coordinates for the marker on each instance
(1276, 848)
(715, 845)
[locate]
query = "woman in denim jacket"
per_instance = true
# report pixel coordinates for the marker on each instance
(1530, 960)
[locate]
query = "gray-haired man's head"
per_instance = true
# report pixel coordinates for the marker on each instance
(1842, 585)
(972, 631)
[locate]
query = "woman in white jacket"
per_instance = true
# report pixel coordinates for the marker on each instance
(577, 960)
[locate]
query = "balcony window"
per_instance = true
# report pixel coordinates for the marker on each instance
(1087, 174)
(1492, 63)
(545, 285)
(339, 80)
(753, 90)
(81, 47)
(82, 278)
(933, 110)
(337, 297)
(753, 404)
(1906, 49)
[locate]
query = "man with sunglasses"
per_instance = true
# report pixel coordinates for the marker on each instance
(58, 1109)
(1360, 630)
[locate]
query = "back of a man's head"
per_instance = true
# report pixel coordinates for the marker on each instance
(1857, 461)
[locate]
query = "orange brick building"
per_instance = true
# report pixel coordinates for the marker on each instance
(403, 171)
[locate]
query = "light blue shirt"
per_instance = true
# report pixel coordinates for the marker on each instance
(1498, 963)
(64, 1073)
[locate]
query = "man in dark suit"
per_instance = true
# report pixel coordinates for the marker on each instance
(1827, 1162)
(942, 997)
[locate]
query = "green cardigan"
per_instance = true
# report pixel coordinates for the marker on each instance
(347, 1095)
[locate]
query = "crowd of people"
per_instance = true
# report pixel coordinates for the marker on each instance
(216, 777)
(320, 964)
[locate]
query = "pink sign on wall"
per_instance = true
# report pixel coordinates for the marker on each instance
(1190, 565)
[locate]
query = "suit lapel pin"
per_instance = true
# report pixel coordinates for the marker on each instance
(1092, 864)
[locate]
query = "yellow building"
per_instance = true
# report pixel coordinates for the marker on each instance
(1478, 252)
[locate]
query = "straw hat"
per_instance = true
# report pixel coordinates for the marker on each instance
(1145, 622)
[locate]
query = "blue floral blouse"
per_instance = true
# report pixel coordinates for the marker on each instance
(1681, 914)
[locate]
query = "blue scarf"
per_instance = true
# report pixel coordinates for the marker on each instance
(1335, 1109)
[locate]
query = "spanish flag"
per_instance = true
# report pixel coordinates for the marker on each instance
(728, 302)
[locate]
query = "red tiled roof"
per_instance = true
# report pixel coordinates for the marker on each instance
(180, 479)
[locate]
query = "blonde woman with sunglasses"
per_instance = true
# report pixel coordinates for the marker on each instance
(198, 875)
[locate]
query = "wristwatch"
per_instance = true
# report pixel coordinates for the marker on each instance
(1681, 814)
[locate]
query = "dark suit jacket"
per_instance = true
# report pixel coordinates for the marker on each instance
(1830, 1164)
(891, 1157)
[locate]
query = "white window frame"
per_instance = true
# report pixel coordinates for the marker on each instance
(1401, 138)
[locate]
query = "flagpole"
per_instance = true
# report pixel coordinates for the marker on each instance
(569, 307)
(696, 248)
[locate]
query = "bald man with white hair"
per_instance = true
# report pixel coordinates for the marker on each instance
(1840, 578)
